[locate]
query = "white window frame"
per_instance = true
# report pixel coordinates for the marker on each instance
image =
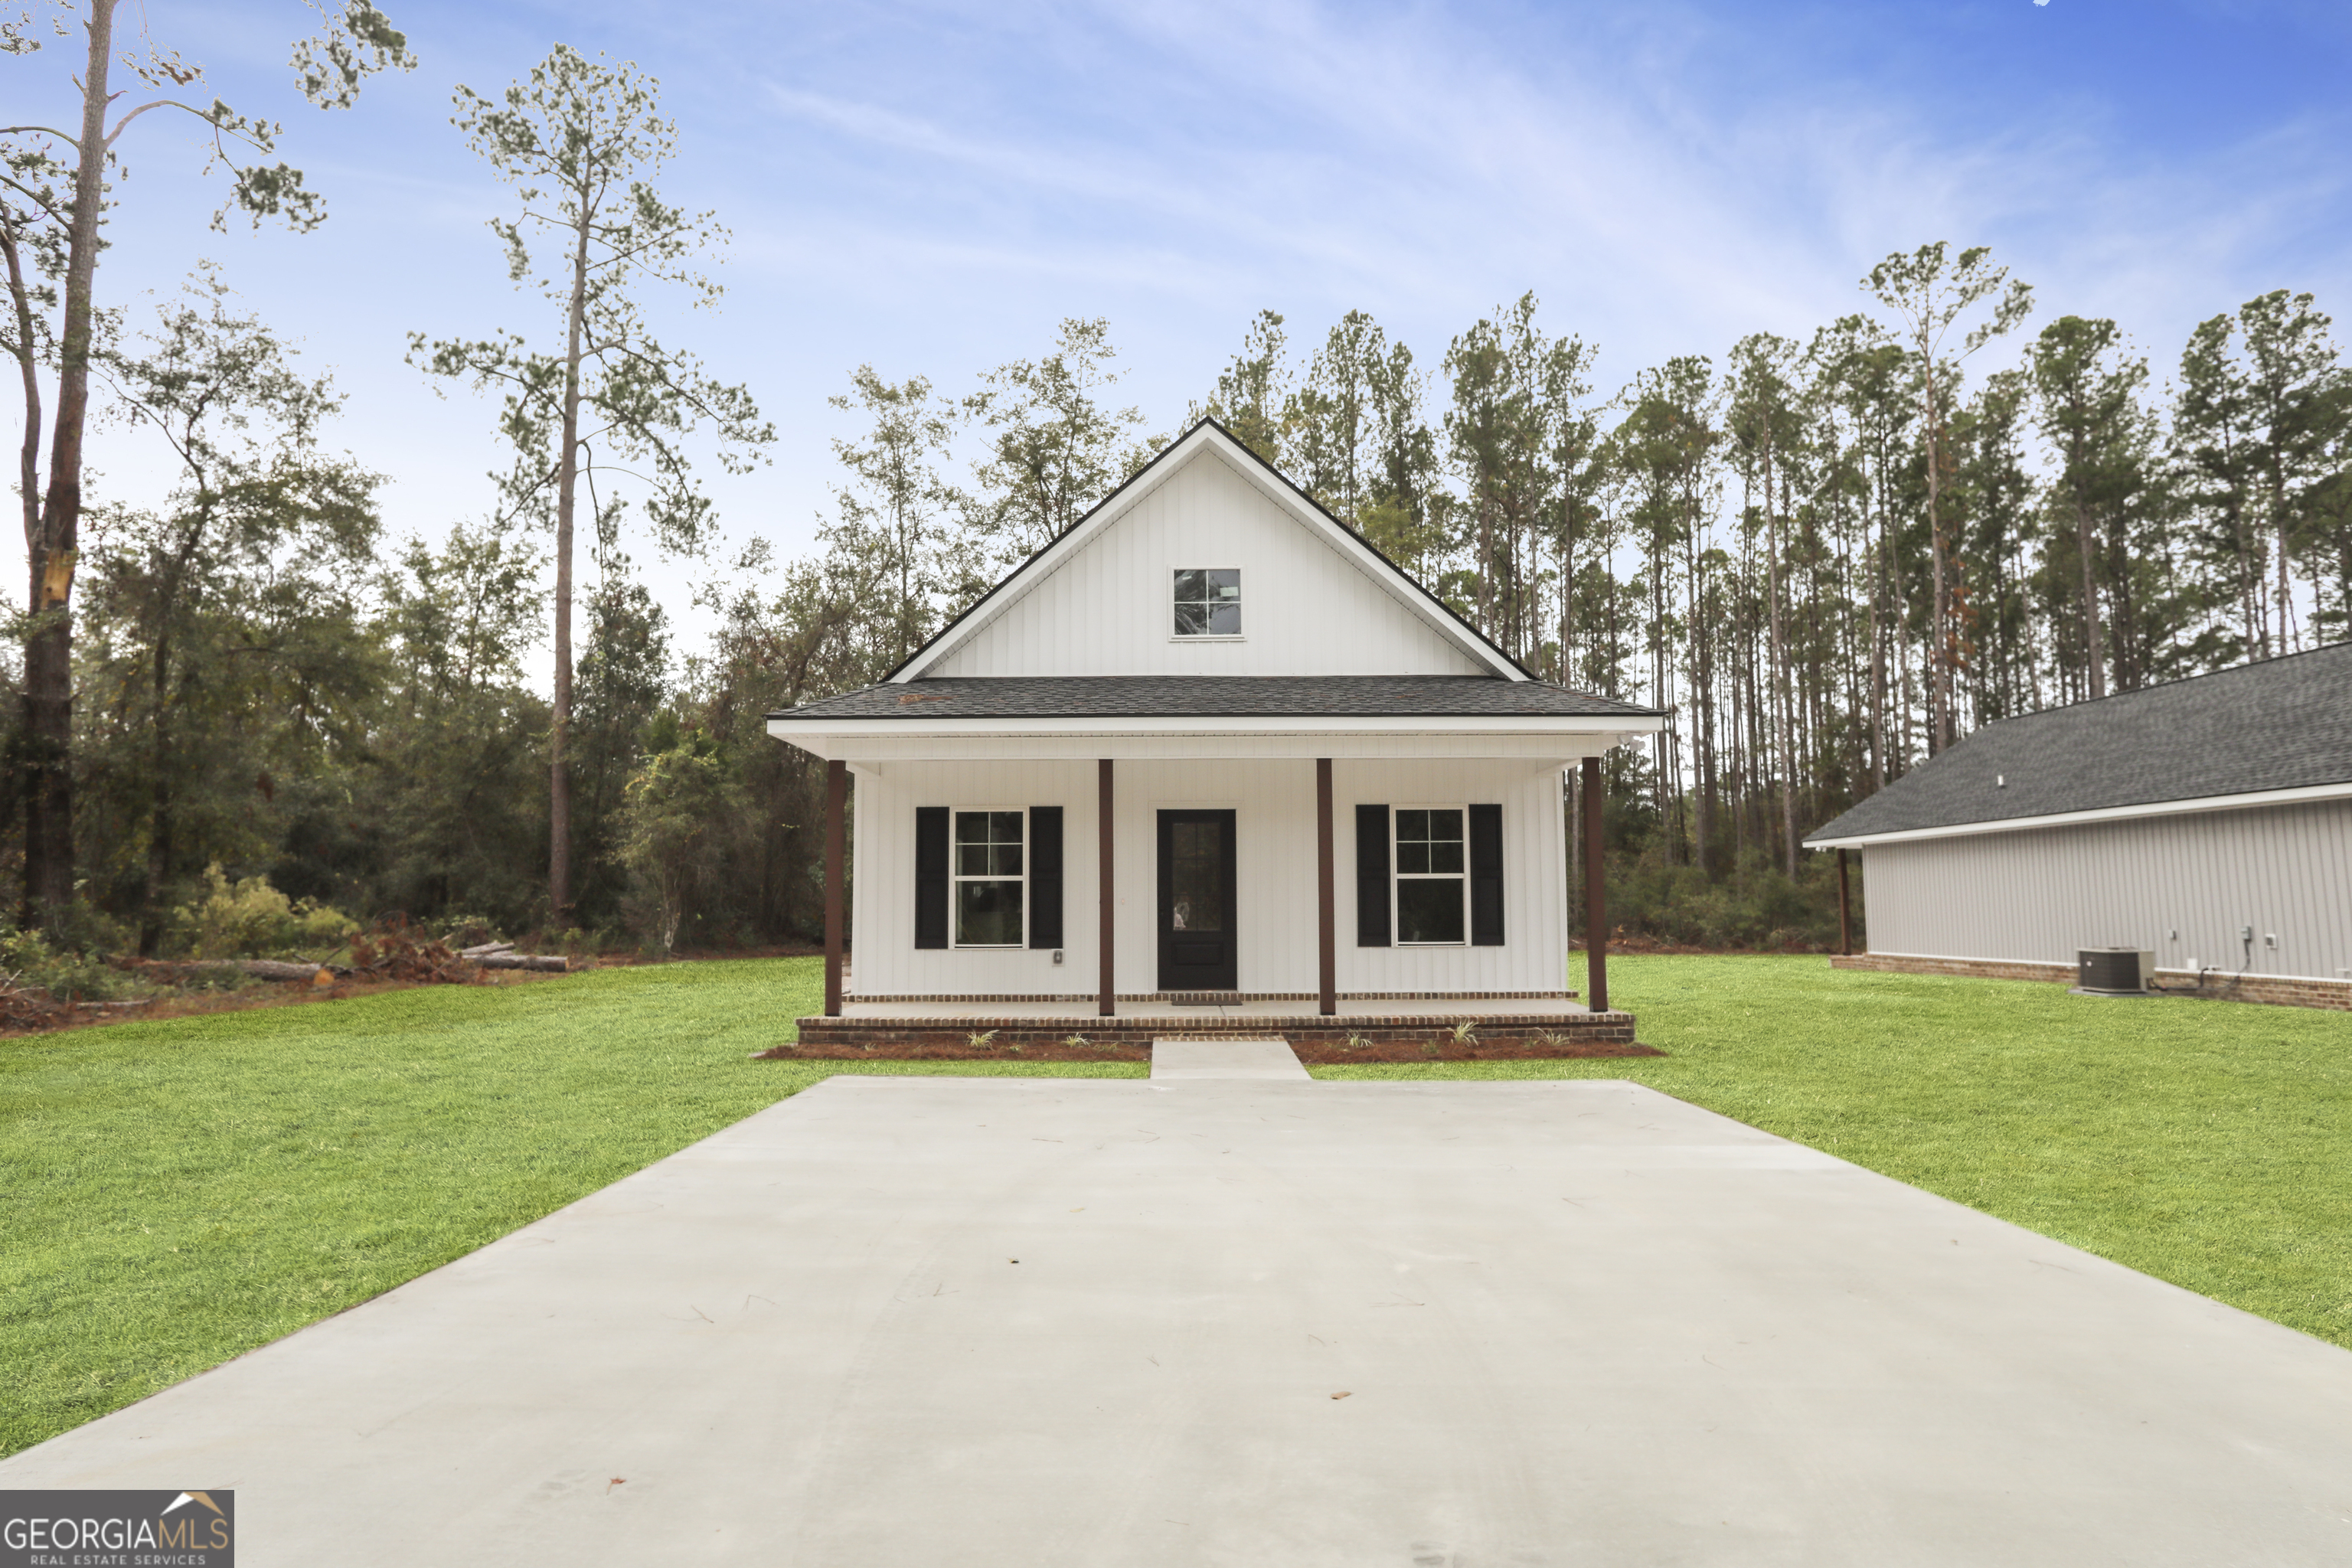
(1175, 636)
(1398, 876)
(956, 878)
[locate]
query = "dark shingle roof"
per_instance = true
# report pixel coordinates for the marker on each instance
(1213, 696)
(2285, 723)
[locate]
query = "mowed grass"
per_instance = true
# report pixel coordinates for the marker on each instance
(2207, 1143)
(174, 1193)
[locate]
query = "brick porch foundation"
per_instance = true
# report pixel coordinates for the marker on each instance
(1496, 1028)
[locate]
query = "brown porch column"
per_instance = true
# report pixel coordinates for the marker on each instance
(1327, 949)
(1845, 925)
(1596, 895)
(1107, 1002)
(836, 794)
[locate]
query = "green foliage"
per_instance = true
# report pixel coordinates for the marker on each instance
(31, 959)
(250, 919)
(674, 835)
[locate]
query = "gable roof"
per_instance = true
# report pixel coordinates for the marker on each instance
(1207, 434)
(1213, 697)
(2277, 729)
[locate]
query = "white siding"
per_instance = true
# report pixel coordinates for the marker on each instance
(2178, 886)
(1274, 806)
(1306, 609)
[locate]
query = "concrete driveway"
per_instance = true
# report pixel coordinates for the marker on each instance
(930, 1322)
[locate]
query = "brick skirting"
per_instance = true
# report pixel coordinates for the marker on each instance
(1502, 1028)
(2217, 985)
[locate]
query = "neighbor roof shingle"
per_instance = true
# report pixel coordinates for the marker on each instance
(2284, 724)
(1213, 697)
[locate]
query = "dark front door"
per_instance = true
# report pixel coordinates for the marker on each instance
(1196, 901)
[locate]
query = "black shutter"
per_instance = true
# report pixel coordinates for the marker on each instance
(1485, 876)
(1371, 876)
(930, 876)
(1044, 876)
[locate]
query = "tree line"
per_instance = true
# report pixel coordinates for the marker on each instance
(1826, 558)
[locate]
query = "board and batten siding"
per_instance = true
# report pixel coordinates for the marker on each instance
(1274, 805)
(1306, 610)
(2180, 887)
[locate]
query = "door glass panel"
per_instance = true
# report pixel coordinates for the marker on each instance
(1196, 874)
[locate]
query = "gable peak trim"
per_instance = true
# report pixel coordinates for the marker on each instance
(1209, 433)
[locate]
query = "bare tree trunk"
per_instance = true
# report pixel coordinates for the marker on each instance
(1939, 664)
(1782, 719)
(558, 762)
(2093, 639)
(51, 545)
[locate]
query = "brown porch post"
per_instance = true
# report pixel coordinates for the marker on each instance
(1107, 1002)
(1326, 951)
(1596, 896)
(1846, 924)
(836, 793)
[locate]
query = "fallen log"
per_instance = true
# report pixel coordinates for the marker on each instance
(555, 961)
(485, 950)
(259, 968)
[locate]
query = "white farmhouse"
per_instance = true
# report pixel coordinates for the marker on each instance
(1208, 749)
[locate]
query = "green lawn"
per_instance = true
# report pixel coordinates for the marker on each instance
(173, 1194)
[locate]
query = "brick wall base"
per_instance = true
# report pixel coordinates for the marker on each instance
(2214, 986)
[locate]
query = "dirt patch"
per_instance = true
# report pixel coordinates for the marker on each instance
(260, 993)
(1313, 1053)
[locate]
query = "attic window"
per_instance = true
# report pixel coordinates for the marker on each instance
(1208, 602)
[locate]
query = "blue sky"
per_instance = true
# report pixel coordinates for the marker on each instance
(930, 187)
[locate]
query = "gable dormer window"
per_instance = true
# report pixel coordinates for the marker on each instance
(1208, 602)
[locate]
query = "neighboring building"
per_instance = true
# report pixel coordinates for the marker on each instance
(2208, 821)
(1216, 728)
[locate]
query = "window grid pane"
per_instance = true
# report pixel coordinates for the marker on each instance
(1430, 881)
(1208, 602)
(987, 879)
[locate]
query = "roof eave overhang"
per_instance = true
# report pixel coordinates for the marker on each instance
(1510, 735)
(786, 727)
(2341, 791)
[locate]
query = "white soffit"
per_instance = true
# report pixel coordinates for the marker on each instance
(2101, 814)
(1206, 438)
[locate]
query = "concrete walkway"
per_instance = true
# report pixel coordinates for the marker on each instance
(924, 1320)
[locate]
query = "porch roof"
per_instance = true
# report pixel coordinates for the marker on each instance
(938, 698)
(1300, 715)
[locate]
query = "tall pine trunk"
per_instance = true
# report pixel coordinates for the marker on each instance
(52, 544)
(559, 760)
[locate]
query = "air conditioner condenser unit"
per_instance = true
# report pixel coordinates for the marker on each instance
(2113, 971)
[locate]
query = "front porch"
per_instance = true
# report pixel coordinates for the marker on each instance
(1553, 1024)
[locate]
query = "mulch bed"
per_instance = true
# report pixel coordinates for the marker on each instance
(1310, 1052)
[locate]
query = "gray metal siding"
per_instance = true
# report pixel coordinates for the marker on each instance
(2180, 887)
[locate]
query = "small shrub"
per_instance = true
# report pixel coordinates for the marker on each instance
(1466, 1033)
(30, 963)
(982, 1042)
(250, 919)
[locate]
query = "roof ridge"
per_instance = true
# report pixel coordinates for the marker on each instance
(2274, 659)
